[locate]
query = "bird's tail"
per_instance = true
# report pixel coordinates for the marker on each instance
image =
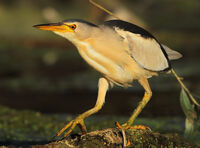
(172, 54)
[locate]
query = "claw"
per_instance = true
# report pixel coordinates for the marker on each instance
(140, 127)
(64, 128)
(136, 127)
(71, 125)
(118, 125)
(123, 126)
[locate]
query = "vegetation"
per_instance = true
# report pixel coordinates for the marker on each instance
(22, 128)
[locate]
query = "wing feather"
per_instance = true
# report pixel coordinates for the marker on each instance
(142, 46)
(146, 52)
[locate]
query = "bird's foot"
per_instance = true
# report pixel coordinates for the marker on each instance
(135, 127)
(71, 125)
(126, 126)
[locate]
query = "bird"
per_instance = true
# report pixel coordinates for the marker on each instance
(122, 52)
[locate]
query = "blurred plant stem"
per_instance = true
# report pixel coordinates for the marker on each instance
(185, 88)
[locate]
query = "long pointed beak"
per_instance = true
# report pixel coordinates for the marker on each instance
(58, 27)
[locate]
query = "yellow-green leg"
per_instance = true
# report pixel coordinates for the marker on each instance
(103, 87)
(147, 96)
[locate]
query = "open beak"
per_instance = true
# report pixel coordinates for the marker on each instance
(55, 27)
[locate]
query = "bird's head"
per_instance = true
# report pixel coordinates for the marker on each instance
(73, 29)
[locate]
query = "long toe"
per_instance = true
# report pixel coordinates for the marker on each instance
(135, 127)
(140, 127)
(71, 125)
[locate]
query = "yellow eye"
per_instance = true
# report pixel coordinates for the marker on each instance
(73, 26)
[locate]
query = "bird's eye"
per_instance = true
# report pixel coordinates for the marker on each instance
(73, 26)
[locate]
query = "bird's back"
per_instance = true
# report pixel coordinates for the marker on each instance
(143, 46)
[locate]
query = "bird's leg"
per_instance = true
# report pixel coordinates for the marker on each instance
(103, 87)
(142, 104)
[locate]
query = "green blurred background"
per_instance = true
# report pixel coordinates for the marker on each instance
(44, 72)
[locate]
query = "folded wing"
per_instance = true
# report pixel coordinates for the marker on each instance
(143, 46)
(147, 52)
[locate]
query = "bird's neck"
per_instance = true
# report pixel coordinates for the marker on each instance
(69, 37)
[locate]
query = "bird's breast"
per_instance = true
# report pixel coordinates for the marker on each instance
(105, 61)
(92, 57)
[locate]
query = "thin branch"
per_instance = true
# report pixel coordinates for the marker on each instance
(185, 88)
(104, 9)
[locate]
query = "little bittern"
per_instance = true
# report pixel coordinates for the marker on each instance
(122, 52)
